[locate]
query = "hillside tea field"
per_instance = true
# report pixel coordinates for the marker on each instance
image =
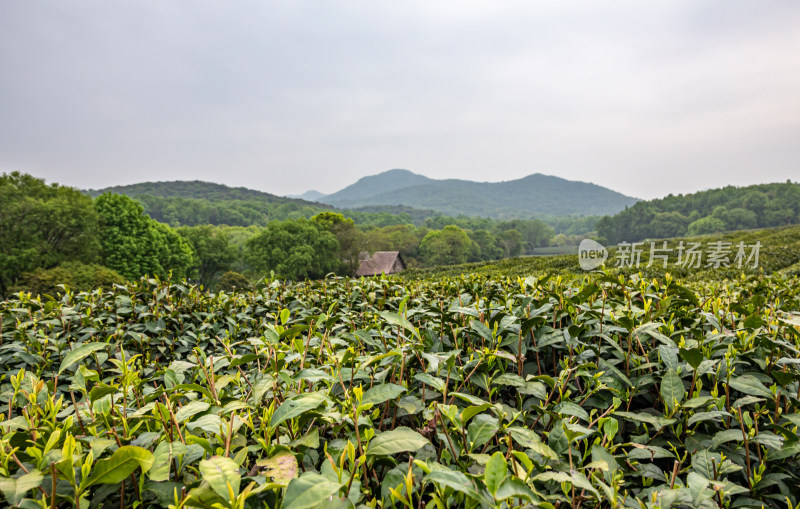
(467, 391)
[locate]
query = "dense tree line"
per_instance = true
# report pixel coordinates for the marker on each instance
(194, 203)
(48, 227)
(717, 210)
(181, 211)
(331, 243)
(57, 235)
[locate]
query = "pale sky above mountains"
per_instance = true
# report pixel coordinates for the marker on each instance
(646, 98)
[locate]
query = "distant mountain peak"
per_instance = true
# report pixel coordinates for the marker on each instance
(533, 195)
(310, 195)
(374, 184)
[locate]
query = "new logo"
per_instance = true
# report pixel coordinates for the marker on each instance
(591, 254)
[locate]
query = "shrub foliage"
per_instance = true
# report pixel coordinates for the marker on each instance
(472, 391)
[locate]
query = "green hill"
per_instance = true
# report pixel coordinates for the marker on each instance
(192, 203)
(359, 193)
(712, 211)
(532, 196)
(196, 189)
(312, 195)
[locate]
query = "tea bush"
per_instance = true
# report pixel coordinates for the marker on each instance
(468, 391)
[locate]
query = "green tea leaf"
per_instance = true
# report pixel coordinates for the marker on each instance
(381, 393)
(693, 356)
(398, 440)
(400, 321)
(672, 390)
(162, 461)
(750, 385)
(193, 408)
(80, 353)
(120, 465)
(495, 473)
(16, 489)
(296, 406)
(280, 468)
(455, 480)
(311, 490)
(220, 473)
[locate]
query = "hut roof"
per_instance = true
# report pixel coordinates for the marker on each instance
(381, 262)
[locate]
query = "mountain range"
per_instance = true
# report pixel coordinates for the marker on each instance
(200, 190)
(531, 196)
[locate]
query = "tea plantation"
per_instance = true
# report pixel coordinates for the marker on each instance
(446, 391)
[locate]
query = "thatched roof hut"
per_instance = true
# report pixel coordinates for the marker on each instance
(381, 262)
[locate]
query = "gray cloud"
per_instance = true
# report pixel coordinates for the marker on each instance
(644, 97)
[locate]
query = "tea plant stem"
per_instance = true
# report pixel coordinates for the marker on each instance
(694, 379)
(210, 379)
(536, 351)
(136, 487)
(113, 431)
(746, 448)
(571, 469)
(446, 433)
(352, 476)
(608, 411)
(53, 482)
(173, 419)
(228, 437)
(716, 492)
(77, 413)
(308, 342)
(167, 429)
(674, 474)
(758, 447)
(465, 380)
(446, 383)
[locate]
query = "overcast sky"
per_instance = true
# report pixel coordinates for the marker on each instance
(646, 98)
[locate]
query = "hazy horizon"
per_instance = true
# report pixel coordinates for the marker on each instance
(644, 99)
(349, 183)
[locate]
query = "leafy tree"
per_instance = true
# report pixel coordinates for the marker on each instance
(668, 224)
(756, 201)
(135, 245)
(736, 218)
(762, 205)
(511, 242)
(487, 245)
(448, 246)
(42, 226)
(215, 254)
(560, 240)
(404, 238)
(775, 215)
(533, 233)
(298, 249)
(350, 240)
(172, 252)
(706, 225)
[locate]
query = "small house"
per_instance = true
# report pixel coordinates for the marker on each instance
(381, 262)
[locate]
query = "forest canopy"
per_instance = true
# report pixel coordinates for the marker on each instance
(57, 235)
(713, 211)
